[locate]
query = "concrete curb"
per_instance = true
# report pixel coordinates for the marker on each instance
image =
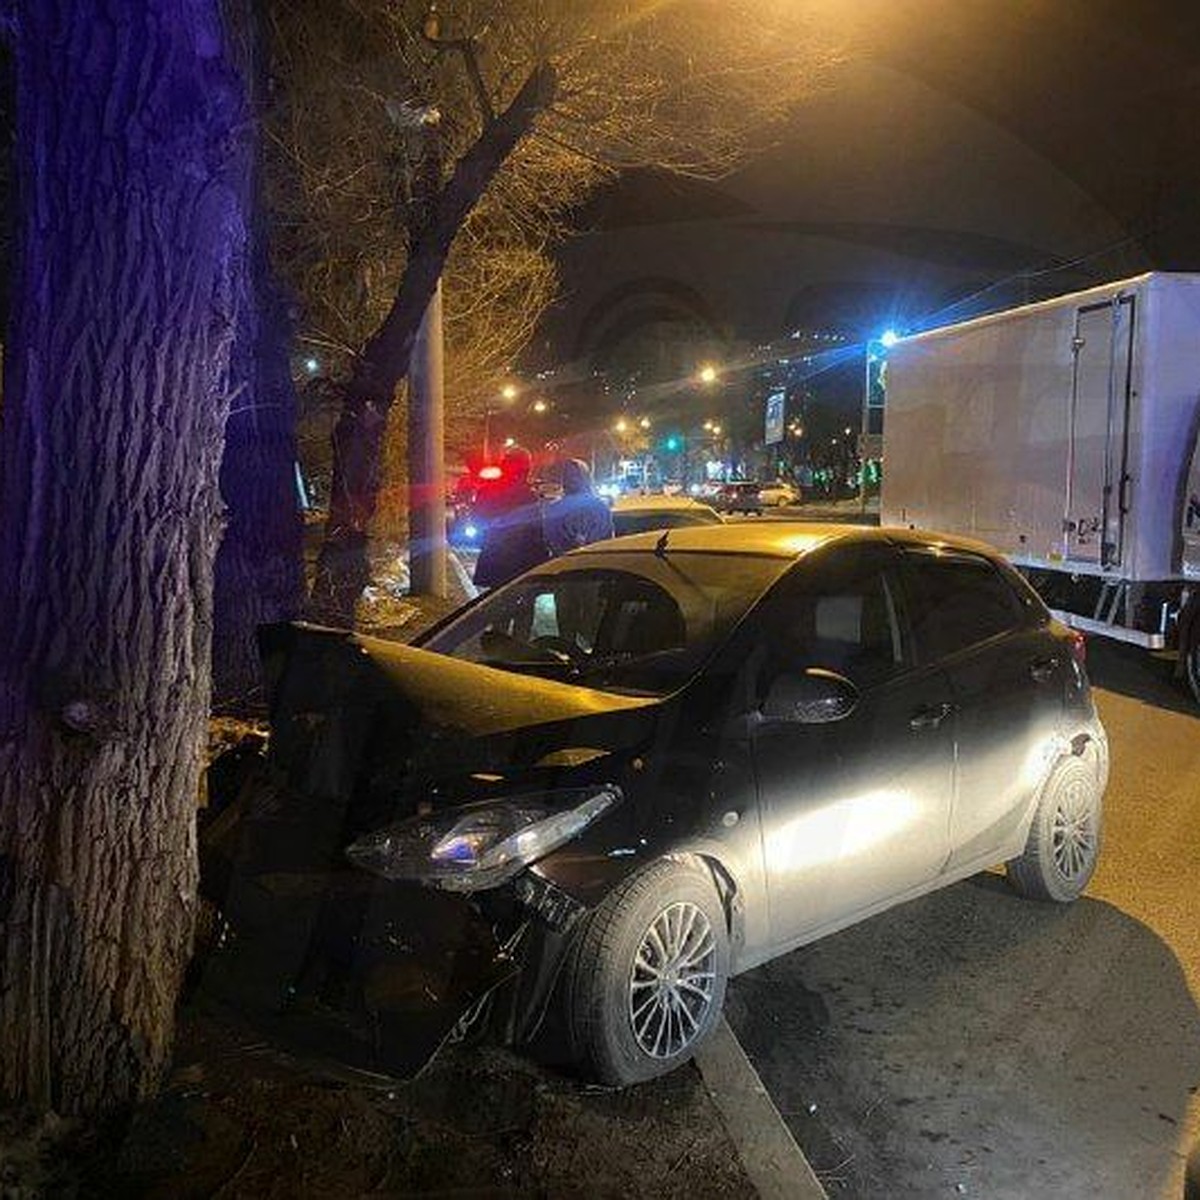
(775, 1163)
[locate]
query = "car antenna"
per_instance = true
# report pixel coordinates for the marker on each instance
(660, 547)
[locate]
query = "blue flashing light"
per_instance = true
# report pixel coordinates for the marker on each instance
(888, 338)
(470, 532)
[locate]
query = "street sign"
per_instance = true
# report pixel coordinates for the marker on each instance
(774, 423)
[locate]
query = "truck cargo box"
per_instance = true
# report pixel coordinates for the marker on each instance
(1061, 432)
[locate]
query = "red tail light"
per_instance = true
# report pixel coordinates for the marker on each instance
(1078, 646)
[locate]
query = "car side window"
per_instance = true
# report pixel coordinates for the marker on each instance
(958, 600)
(841, 613)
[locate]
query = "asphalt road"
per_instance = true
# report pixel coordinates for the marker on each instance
(974, 1043)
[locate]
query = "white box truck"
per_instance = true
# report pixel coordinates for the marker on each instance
(1065, 433)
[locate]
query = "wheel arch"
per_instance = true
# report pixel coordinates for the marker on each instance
(725, 884)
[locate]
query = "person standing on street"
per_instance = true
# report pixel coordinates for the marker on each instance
(580, 516)
(512, 510)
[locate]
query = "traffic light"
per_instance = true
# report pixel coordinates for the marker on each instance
(673, 444)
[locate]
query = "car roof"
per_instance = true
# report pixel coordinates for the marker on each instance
(777, 539)
(651, 503)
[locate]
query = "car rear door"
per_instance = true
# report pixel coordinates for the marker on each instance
(856, 811)
(1008, 674)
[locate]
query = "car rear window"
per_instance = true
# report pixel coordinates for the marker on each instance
(959, 600)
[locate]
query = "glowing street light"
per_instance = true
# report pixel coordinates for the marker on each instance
(312, 366)
(645, 422)
(509, 391)
(539, 406)
(621, 426)
(708, 373)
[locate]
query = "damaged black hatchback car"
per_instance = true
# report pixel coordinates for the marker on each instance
(603, 789)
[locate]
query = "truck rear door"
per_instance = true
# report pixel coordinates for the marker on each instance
(1099, 420)
(1190, 518)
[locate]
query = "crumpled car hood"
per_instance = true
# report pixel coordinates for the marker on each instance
(352, 714)
(475, 699)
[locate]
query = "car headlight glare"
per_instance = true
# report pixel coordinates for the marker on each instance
(482, 845)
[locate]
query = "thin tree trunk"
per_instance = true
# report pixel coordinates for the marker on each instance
(260, 566)
(342, 568)
(131, 158)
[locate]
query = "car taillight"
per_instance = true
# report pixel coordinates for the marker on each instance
(1078, 646)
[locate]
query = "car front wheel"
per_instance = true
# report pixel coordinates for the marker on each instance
(648, 976)
(1064, 839)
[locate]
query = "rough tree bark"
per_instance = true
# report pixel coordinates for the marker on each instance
(131, 158)
(259, 574)
(342, 567)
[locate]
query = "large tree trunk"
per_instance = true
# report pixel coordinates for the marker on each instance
(342, 568)
(260, 565)
(131, 154)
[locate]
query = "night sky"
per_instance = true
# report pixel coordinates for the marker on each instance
(968, 157)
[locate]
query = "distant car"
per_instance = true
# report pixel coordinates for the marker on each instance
(639, 769)
(639, 514)
(778, 494)
(740, 495)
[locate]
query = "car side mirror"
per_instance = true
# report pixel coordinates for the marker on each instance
(813, 698)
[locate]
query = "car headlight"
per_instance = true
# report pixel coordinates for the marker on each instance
(480, 846)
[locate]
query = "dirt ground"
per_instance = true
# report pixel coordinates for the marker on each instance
(239, 1119)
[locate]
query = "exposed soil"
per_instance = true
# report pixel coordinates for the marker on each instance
(239, 1119)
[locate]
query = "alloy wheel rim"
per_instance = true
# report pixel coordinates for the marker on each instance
(673, 980)
(1074, 832)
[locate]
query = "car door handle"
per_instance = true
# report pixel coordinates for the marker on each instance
(1042, 668)
(930, 716)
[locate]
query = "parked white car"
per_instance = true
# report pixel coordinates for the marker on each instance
(778, 494)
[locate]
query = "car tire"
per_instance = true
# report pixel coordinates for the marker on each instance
(628, 1016)
(1063, 846)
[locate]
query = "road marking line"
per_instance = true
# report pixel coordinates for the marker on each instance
(775, 1163)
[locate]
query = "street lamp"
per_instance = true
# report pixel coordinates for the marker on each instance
(621, 426)
(509, 391)
(539, 406)
(645, 422)
(708, 373)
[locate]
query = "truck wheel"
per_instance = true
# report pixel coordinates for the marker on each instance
(1191, 667)
(1064, 839)
(648, 976)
